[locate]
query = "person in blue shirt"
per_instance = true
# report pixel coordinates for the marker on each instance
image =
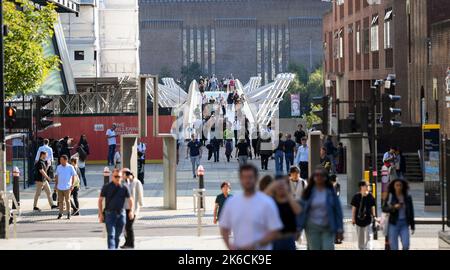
(321, 214)
(302, 158)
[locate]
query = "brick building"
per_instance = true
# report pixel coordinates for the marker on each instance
(439, 68)
(243, 37)
(365, 42)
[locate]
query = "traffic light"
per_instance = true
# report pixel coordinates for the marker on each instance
(322, 113)
(42, 113)
(10, 119)
(389, 100)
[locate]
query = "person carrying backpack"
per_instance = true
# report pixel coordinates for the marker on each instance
(363, 213)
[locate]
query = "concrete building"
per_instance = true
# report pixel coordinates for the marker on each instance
(243, 37)
(103, 40)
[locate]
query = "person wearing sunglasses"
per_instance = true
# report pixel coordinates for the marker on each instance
(115, 195)
(321, 213)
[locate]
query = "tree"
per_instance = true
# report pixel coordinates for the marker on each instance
(309, 88)
(165, 72)
(300, 71)
(29, 29)
(191, 72)
(310, 118)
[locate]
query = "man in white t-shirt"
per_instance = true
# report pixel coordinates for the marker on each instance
(252, 216)
(111, 137)
(65, 178)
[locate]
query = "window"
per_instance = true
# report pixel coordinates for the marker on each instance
(78, 55)
(341, 44)
(374, 34)
(387, 29)
(366, 41)
(358, 41)
(340, 2)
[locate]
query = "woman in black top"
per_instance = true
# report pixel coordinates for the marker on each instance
(242, 150)
(288, 209)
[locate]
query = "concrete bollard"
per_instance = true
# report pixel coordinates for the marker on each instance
(16, 188)
(106, 175)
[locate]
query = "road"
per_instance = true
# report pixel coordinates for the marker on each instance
(158, 228)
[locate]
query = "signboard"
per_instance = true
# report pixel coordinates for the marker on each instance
(431, 164)
(99, 127)
(295, 105)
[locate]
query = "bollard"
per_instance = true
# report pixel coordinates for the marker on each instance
(16, 189)
(106, 175)
(201, 182)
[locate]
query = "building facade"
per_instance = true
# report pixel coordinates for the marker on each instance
(365, 42)
(438, 100)
(103, 40)
(239, 37)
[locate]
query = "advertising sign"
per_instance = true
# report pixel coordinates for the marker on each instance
(431, 164)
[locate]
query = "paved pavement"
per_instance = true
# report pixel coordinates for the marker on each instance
(158, 228)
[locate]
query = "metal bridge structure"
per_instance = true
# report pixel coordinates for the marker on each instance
(258, 105)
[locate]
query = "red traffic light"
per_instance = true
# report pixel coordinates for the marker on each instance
(10, 112)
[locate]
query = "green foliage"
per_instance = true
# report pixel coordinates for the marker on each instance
(308, 88)
(26, 66)
(191, 72)
(310, 118)
(300, 71)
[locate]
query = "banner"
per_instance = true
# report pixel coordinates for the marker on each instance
(295, 105)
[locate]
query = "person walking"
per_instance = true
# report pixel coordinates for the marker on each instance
(321, 216)
(279, 154)
(112, 142)
(324, 160)
(256, 138)
(83, 145)
(221, 199)
(302, 158)
(141, 148)
(228, 144)
(363, 213)
(331, 153)
(251, 216)
(340, 158)
(288, 209)
(194, 151)
(297, 184)
(137, 195)
(42, 181)
(236, 129)
(299, 134)
(49, 157)
(242, 151)
(215, 148)
(265, 150)
(289, 150)
(64, 184)
(82, 156)
(401, 214)
(76, 187)
(115, 195)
